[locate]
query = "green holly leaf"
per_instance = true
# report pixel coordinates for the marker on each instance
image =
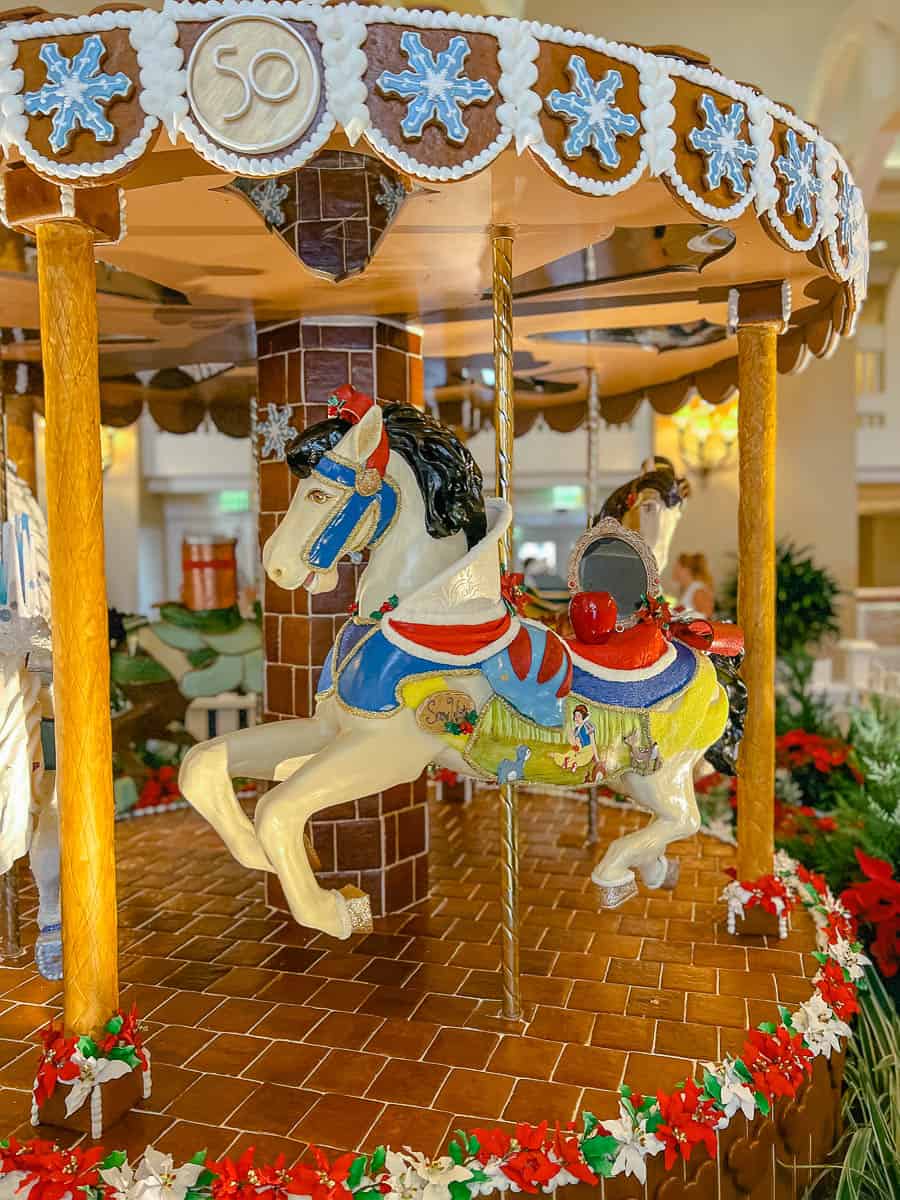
(762, 1104)
(625, 1091)
(474, 1144)
(87, 1047)
(199, 1158)
(456, 1151)
(742, 1071)
(370, 1193)
(767, 1027)
(478, 1176)
(712, 1087)
(820, 958)
(114, 1024)
(597, 1150)
(460, 1190)
(125, 1054)
(590, 1123)
(653, 1121)
(356, 1172)
(115, 1158)
(378, 1160)
(206, 1177)
(786, 1019)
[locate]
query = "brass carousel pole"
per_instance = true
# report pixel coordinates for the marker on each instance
(504, 394)
(592, 504)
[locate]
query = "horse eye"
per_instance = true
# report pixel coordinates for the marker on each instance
(318, 496)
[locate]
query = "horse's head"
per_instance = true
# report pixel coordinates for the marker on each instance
(343, 502)
(651, 504)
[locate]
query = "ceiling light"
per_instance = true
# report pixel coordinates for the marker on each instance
(878, 246)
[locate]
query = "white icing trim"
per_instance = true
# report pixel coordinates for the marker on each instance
(762, 173)
(154, 37)
(261, 165)
(66, 201)
(657, 90)
(342, 32)
(521, 105)
(96, 1112)
(411, 166)
(146, 1076)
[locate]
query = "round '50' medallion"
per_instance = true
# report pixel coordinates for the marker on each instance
(253, 83)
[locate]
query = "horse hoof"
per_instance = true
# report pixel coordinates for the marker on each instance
(48, 953)
(661, 873)
(612, 895)
(358, 909)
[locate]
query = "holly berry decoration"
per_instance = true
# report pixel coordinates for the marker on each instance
(593, 616)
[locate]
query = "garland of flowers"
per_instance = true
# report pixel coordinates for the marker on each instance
(775, 1060)
(84, 1063)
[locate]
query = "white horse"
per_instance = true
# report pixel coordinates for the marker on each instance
(29, 818)
(652, 504)
(438, 672)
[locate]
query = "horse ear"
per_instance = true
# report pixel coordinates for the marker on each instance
(364, 437)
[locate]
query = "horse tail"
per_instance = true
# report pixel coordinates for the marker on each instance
(723, 754)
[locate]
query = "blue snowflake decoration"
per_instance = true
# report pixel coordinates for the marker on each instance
(275, 431)
(590, 109)
(75, 91)
(848, 221)
(720, 139)
(799, 169)
(434, 87)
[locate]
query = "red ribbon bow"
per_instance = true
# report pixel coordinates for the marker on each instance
(351, 406)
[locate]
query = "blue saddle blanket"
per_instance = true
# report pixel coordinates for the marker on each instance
(638, 693)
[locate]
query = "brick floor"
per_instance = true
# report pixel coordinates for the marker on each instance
(265, 1033)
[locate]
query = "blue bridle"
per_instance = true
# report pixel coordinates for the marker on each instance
(330, 544)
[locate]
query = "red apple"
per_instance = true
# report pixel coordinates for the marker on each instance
(593, 616)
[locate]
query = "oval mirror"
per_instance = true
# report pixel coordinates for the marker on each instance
(610, 558)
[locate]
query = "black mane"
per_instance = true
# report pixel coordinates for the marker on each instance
(448, 476)
(670, 488)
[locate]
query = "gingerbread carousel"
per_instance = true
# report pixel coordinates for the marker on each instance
(344, 990)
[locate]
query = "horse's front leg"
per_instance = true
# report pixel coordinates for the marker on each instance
(208, 768)
(669, 795)
(357, 763)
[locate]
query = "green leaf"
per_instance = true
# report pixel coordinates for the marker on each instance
(625, 1091)
(460, 1190)
(820, 958)
(590, 1122)
(762, 1104)
(596, 1151)
(742, 1071)
(370, 1193)
(712, 1087)
(199, 1158)
(115, 1158)
(474, 1144)
(87, 1047)
(786, 1017)
(356, 1172)
(125, 1054)
(114, 1024)
(653, 1121)
(767, 1027)
(205, 1178)
(378, 1160)
(456, 1152)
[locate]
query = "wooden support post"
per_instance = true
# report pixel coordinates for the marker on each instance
(504, 433)
(66, 281)
(762, 313)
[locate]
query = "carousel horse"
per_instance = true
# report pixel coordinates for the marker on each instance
(29, 817)
(651, 504)
(435, 668)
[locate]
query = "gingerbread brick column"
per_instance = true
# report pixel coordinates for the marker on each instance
(378, 843)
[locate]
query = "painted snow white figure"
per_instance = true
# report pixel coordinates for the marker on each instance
(397, 482)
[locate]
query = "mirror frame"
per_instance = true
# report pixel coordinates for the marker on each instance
(609, 527)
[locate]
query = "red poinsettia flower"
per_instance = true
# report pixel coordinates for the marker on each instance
(492, 1143)
(837, 992)
(776, 1061)
(877, 903)
(567, 1152)
(811, 877)
(838, 926)
(323, 1181)
(529, 1166)
(56, 1063)
(54, 1172)
(231, 1179)
(687, 1120)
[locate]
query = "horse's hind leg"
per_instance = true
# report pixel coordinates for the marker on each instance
(669, 795)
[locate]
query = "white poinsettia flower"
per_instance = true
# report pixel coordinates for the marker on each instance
(436, 1175)
(822, 1030)
(91, 1071)
(635, 1145)
(121, 1180)
(736, 1096)
(852, 961)
(497, 1180)
(784, 865)
(157, 1177)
